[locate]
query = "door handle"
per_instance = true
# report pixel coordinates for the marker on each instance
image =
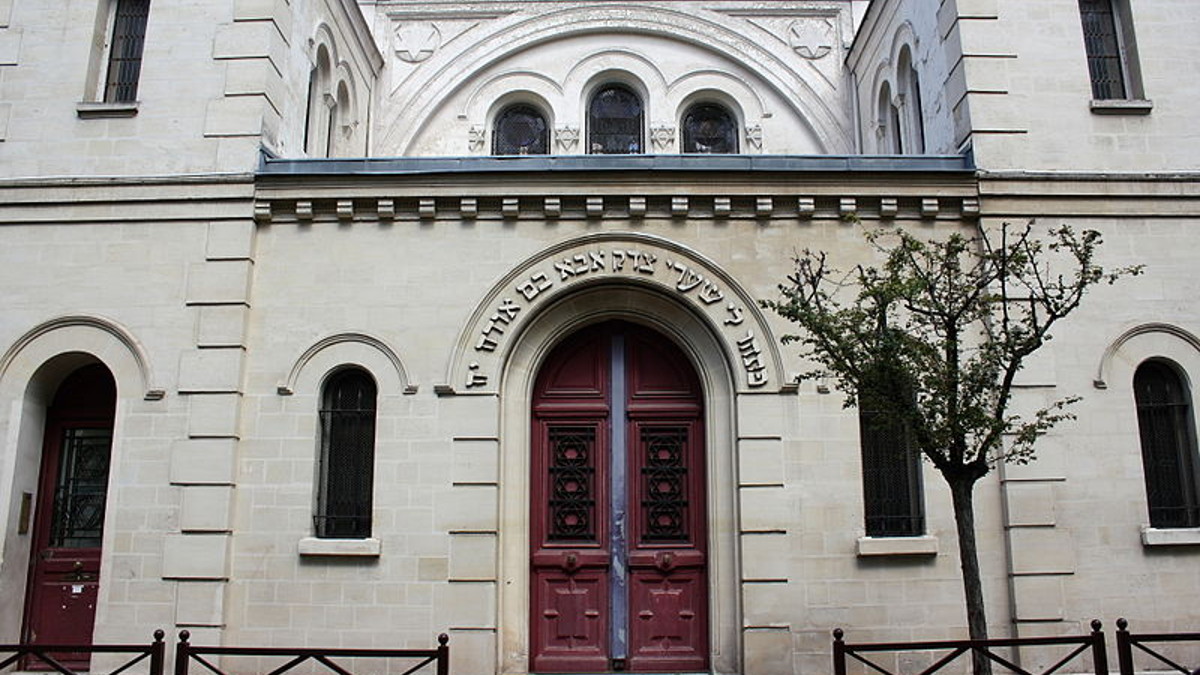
(77, 573)
(570, 562)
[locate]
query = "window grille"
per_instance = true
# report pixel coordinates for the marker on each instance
(125, 50)
(520, 130)
(1103, 46)
(615, 122)
(709, 128)
(346, 471)
(892, 498)
(1168, 446)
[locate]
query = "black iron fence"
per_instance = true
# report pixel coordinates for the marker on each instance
(75, 659)
(1128, 642)
(947, 652)
(411, 660)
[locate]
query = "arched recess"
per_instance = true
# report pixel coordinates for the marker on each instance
(641, 303)
(1145, 341)
(31, 371)
(449, 70)
(345, 349)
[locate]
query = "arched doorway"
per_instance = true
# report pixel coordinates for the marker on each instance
(618, 516)
(64, 571)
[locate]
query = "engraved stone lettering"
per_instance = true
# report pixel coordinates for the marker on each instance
(735, 315)
(531, 287)
(507, 311)
(597, 258)
(750, 351)
(711, 293)
(618, 258)
(643, 262)
(474, 377)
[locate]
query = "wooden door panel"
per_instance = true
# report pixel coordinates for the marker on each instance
(572, 620)
(669, 624)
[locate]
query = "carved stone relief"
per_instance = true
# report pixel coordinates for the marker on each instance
(567, 137)
(662, 136)
(416, 41)
(812, 38)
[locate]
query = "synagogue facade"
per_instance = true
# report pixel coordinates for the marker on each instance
(350, 323)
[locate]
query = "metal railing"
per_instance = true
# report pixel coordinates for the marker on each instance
(1093, 642)
(57, 658)
(186, 653)
(1127, 642)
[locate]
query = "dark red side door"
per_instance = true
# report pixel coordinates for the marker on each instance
(618, 560)
(64, 577)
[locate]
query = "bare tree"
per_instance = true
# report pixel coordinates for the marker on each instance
(934, 337)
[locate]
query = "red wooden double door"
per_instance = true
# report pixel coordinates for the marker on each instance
(619, 525)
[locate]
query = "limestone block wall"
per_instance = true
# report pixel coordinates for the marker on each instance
(1029, 94)
(209, 93)
(1079, 538)
(107, 270)
(348, 275)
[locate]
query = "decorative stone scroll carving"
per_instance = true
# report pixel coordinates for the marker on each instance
(618, 258)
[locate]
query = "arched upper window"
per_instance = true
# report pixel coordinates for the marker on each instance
(615, 122)
(347, 461)
(710, 128)
(1169, 460)
(888, 123)
(520, 129)
(319, 112)
(891, 469)
(910, 93)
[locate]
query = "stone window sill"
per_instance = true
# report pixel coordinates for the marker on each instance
(90, 110)
(1122, 106)
(1183, 536)
(888, 546)
(353, 548)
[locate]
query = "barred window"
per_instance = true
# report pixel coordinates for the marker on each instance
(125, 51)
(892, 499)
(520, 130)
(615, 122)
(347, 462)
(1111, 52)
(709, 128)
(1169, 460)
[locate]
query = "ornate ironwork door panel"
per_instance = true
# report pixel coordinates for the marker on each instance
(64, 578)
(618, 559)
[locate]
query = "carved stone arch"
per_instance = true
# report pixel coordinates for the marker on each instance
(449, 70)
(323, 37)
(311, 368)
(486, 341)
(511, 87)
(614, 66)
(718, 87)
(1147, 341)
(904, 36)
(31, 370)
(652, 305)
(105, 339)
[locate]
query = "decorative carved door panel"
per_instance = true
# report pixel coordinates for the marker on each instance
(619, 532)
(64, 576)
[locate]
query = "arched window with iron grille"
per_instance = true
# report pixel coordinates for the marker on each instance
(709, 128)
(893, 503)
(1166, 429)
(520, 129)
(616, 121)
(347, 461)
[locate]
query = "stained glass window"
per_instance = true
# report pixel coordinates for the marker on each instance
(520, 130)
(709, 128)
(615, 122)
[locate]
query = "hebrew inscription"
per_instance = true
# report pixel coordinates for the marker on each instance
(674, 273)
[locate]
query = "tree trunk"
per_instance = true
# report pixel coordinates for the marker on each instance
(962, 490)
